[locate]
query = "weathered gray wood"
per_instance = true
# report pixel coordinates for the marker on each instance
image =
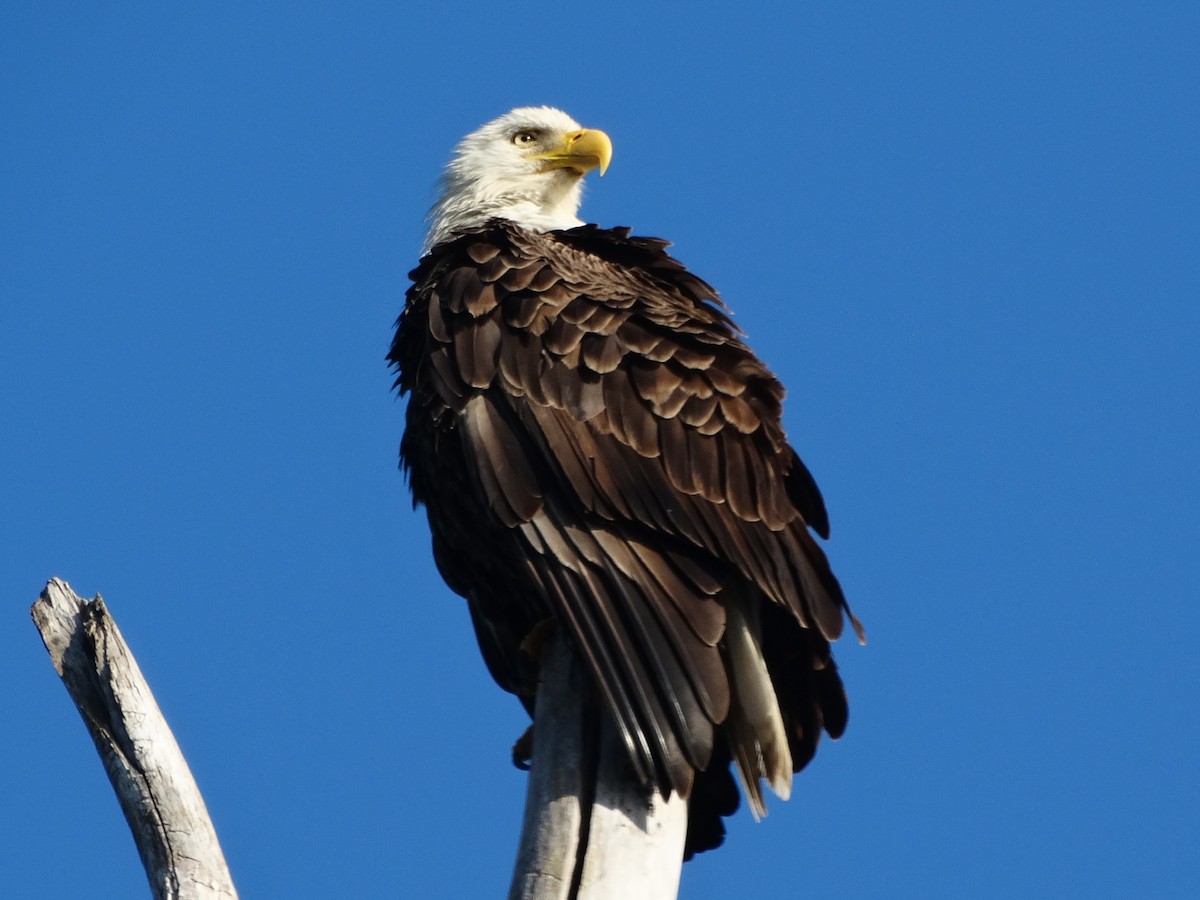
(170, 823)
(591, 831)
(635, 842)
(558, 780)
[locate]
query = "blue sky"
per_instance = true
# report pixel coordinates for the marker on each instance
(964, 235)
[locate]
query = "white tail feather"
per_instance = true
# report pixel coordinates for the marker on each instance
(755, 724)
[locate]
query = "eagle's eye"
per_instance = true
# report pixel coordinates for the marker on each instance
(524, 137)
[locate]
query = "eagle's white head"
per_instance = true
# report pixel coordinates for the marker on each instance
(526, 166)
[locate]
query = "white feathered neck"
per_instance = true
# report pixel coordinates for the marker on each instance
(491, 175)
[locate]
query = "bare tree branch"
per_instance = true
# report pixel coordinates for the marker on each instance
(591, 831)
(170, 823)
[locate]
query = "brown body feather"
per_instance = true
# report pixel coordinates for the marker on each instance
(594, 442)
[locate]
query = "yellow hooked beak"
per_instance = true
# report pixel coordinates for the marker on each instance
(580, 151)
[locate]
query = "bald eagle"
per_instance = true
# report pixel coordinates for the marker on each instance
(597, 447)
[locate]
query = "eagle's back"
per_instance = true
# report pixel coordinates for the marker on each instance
(595, 443)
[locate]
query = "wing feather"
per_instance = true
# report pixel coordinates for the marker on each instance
(593, 399)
